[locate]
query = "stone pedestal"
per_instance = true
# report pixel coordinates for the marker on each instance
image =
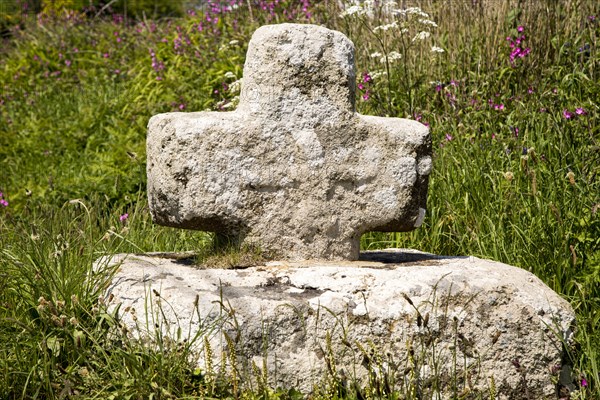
(400, 316)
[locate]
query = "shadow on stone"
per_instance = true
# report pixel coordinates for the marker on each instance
(403, 257)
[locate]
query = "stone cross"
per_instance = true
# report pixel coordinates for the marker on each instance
(294, 169)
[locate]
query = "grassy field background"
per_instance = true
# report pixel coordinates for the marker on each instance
(509, 89)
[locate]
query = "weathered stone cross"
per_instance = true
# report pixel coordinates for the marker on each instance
(294, 170)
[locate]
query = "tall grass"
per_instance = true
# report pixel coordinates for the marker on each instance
(515, 173)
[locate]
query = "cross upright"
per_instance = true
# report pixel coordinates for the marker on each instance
(294, 169)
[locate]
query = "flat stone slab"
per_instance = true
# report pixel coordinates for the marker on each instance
(294, 170)
(413, 311)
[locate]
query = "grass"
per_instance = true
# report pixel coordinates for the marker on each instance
(515, 179)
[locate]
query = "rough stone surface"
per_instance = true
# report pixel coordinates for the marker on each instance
(294, 169)
(497, 320)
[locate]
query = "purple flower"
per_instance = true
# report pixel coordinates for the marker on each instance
(361, 86)
(124, 217)
(580, 111)
(530, 90)
(448, 137)
(4, 202)
(584, 383)
(366, 96)
(520, 28)
(68, 63)
(182, 107)
(367, 77)
(567, 114)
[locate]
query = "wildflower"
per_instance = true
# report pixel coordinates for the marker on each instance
(412, 11)
(182, 107)
(421, 36)
(448, 137)
(428, 22)
(356, 9)
(229, 75)
(391, 57)
(377, 74)
(3, 201)
(366, 96)
(584, 383)
(124, 217)
(571, 177)
(530, 90)
(580, 111)
(520, 29)
(367, 77)
(386, 27)
(68, 63)
(376, 55)
(509, 176)
(435, 49)
(567, 114)
(233, 42)
(236, 86)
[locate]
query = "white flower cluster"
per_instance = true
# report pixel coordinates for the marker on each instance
(367, 7)
(386, 27)
(391, 57)
(230, 75)
(394, 56)
(421, 36)
(435, 49)
(229, 104)
(377, 74)
(236, 87)
(412, 11)
(352, 10)
(428, 22)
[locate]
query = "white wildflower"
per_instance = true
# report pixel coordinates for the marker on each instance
(234, 42)
(404, 30)
(428, 22)
(416, 11)
(393, 25)
(391, 57)
(229, 75)
(232, 103)
(376, 55)
(356, 9)
(435, 49)
(421, 36)
(377, 74)
(236, 86)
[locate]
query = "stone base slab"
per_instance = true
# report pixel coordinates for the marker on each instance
(407, 317)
